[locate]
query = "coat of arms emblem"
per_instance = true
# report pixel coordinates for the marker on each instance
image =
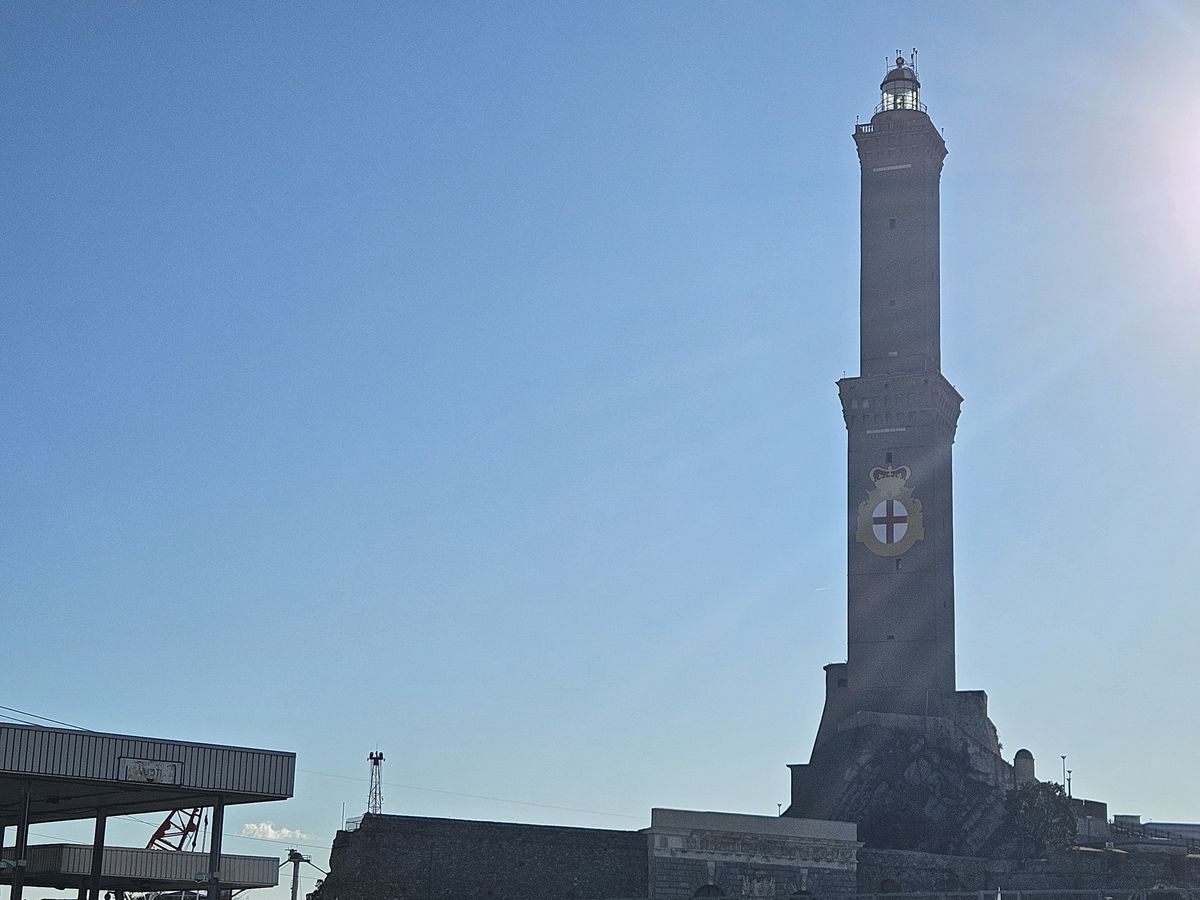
(889, 520)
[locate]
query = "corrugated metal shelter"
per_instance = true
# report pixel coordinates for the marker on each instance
(71, 774)
(64, 866)
(55, 774)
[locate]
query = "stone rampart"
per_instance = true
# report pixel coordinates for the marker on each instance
(417, 858)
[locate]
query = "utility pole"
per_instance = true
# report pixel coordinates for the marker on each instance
(295, 858)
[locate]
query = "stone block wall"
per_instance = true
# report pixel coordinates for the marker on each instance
(734, 855)
(682, 853)
(680, 879)
(417, 858)
(910, 782)
(1078, 869)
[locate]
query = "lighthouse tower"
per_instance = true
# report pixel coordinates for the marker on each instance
(900, 414)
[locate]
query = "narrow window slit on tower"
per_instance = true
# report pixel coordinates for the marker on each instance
(897, 565)
(891, 223)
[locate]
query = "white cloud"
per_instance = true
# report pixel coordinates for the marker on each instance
(270, 832)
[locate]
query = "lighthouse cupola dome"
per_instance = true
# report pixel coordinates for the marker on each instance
(900, 88)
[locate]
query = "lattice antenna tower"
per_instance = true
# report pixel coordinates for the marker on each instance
(375, 798)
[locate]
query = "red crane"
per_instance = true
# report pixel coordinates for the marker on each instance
(179, 830)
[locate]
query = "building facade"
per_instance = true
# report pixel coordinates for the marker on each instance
(682, 854)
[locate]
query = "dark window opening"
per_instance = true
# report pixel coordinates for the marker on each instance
(891, 223)
(888, 458)
(897, 565)
(842, 682)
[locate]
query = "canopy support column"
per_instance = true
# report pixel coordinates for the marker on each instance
(214, 850)
(97, 856)
(21, 849)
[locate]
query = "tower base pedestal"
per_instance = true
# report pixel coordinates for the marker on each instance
(910, 780)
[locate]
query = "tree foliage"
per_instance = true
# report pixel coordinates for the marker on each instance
(1040, 818)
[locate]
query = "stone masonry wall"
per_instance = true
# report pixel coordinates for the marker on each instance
(415, 858)
(1078, 869)
(679, 879)
(748, 856)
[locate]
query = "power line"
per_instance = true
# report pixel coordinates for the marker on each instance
(409, 787)
(44, 719)
(414, 787)
(17, 721)
(288, 842)
(244, 837)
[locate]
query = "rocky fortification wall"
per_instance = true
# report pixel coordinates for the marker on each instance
(930, 783)
(398, 857)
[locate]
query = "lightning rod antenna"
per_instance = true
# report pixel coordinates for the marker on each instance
(375, 798)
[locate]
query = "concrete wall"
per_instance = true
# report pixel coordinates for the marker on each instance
(1091, 821)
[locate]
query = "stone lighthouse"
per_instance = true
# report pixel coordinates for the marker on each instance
(900, 414)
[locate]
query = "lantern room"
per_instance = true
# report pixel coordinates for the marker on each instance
(900, 88)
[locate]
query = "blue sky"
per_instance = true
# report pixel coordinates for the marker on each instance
(457, 379)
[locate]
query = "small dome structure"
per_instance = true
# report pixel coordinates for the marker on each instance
(900, 88)
(1023, 768)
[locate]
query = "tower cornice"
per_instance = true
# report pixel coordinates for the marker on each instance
(873, 404)
(900, 134)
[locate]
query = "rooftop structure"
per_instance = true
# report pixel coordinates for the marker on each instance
(52, 774)
(66, 866)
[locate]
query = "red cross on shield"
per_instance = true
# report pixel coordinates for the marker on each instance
(889, 521)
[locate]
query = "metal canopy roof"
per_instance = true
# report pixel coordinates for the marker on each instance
(72, 774)
(64, 866)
